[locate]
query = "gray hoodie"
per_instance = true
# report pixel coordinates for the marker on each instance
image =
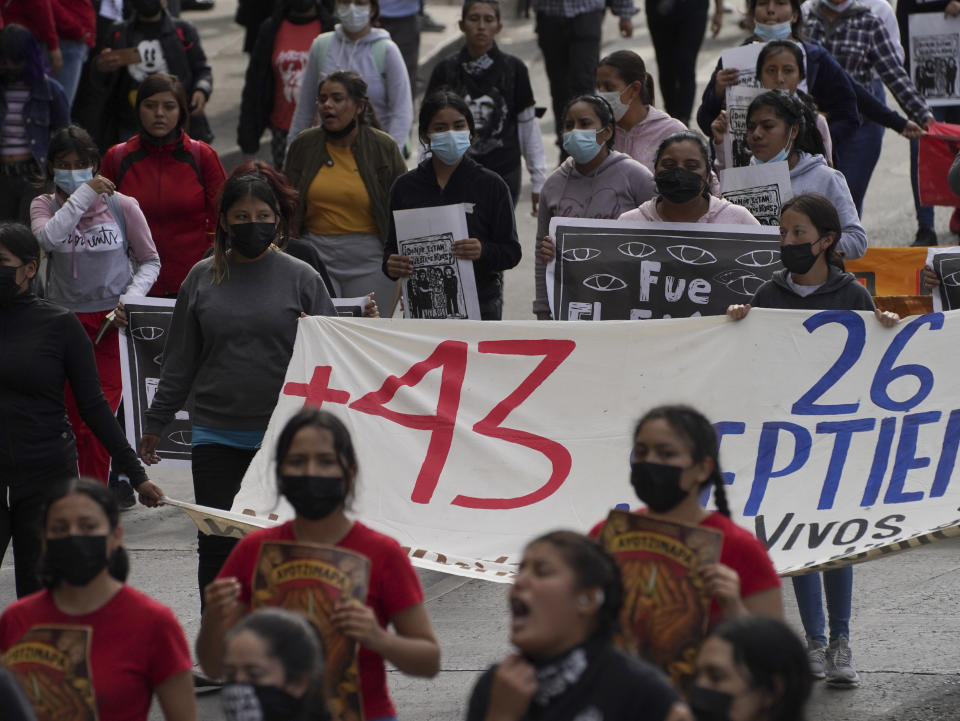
(618, 185)
(841, 291)
(389, 92)
(811, 174)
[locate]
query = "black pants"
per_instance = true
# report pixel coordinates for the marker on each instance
(676, 28)
(514, 179)
(217, 472)
(405, 32)
(571, 52)
(21, 519)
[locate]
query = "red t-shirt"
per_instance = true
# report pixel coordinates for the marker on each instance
(394, 587)
(137, 644)
(742, 552)
(290, 50)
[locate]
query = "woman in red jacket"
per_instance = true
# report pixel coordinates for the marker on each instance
(175, 178)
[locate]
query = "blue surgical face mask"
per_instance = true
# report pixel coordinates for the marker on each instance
(778, 31)
(581, 145)
(450, 145)
(69, 180)
(782, 155)
(837, 7)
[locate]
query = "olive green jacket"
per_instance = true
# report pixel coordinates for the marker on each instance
(378, 160)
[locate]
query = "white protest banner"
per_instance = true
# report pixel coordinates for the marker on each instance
(442, 286)
(744, 59)
(946, 264)
(736, 154)
(141, 363)
(617, 270)
(935, 56)
(839, 437)
(761, 189)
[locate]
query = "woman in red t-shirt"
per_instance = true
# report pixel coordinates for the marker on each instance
(316, 469)
(675, 457)
(109, 648)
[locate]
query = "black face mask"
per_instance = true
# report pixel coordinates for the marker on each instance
(343, 132)
(75, 559)
(313, 497)
(707, 704)
(657, 485)
(798, 258)
(8, 284)
(246, 702)
(678, 185)
(146, 8)
(252, 239)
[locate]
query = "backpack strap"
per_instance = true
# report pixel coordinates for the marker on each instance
(322, 45)
(379, 51)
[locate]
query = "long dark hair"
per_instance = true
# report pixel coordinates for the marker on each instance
(163, 83)
(238, 187)
(20, 241)
(118, 565)
(434, 103)
(687, 136)
(286, 195)
(794, 113)
(603, 110)
(796, 27)
(18, 45)
(631, 68)
(291, 640)
(356, 88)
(776, 660)
(342, 443)
(593, 568)
(701, 437)
(824, 217)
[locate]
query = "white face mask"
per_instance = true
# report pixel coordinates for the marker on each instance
(618, 107)
(354, 18)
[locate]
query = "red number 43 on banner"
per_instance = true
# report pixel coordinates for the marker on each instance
(451, 356)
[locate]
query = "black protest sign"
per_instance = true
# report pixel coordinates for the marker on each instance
(606, 270)
(141, 350)
(946, 264)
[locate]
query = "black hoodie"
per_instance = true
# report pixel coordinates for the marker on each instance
(840, 292)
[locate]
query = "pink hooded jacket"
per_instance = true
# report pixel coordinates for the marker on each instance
(719, 211)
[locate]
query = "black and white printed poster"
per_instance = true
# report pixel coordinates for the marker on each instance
(442, 286)
(761, 189)
(946, 264)
(735, 150)
(141, 363)
(935, 57)
(744, 59)
(611, 270)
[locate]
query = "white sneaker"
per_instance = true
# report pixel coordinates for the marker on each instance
(817, 656)
(840, 670)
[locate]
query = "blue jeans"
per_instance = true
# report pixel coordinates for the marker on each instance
(949, 114)
(857, 158)
(838, 584)
(74, 56)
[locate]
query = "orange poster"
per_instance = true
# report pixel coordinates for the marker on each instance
(312, 579)
(890, 271)
(665, 608)
(52, 665)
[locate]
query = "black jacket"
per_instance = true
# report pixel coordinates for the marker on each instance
(840, 292)
(256, 103)
(42, 346)
(490, 217)
(185, 59)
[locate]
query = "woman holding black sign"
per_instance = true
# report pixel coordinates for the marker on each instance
(316, 473)
(814, 279)
(447, 177)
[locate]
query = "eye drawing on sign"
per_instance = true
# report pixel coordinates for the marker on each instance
(580, 254)
(739, 281)
(759, 258)
(692, 255)
(604, 282)
(146, 332)
(636, 249)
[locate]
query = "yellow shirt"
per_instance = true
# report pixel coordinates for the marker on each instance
(337, 199)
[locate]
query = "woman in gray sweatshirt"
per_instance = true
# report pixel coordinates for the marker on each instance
(230, 342)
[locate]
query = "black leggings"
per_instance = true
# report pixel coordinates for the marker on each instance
(217, 472)
(676, 28)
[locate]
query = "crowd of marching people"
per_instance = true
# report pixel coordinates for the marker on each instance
(110, 188)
